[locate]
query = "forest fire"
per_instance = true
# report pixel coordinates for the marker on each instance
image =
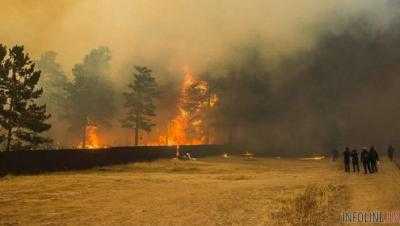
(92, 139)
(185, 128)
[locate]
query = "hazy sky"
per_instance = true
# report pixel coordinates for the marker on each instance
(183, 32)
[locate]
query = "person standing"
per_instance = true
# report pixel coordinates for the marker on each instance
(346, 156)
(373, 158)
(334, 154)
(390, 152)
(364, 160)
(354, 160)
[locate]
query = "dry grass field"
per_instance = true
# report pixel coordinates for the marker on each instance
(210, 191)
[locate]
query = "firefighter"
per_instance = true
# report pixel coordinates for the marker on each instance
(364, 160)
(354, 160)
(346, 156)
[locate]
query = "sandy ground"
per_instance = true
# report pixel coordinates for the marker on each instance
(212, 191)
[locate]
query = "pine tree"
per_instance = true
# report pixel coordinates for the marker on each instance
(140, 102)
(20, 116)
(53, 80)
(90, 96)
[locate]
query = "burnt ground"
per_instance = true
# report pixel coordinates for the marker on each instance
(209, 191)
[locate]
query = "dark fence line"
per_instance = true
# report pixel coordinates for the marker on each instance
(37, 161)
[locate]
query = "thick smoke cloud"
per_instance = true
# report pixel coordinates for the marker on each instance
(281, 42)
(337, 92)
(179, 32)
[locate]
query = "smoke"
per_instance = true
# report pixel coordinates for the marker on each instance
(205, 35)
(178, 33)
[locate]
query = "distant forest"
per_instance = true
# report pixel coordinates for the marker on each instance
(342, 90)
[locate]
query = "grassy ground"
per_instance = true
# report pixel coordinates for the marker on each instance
(212, 191)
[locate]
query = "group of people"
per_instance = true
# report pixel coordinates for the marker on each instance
(368, 158)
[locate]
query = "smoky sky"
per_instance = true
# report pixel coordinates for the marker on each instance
(215, 36)
(177, 33)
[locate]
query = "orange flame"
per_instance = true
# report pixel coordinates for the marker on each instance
(177, 130)
(176, 133)
(92, 140)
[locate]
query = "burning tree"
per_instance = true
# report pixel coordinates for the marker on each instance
(20, 116)
(140, 102)
(198, 102)
(193, 122)
(90, 96)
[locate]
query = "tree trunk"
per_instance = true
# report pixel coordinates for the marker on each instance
(208, 129)
(9, 137)
(166, 138)
(84, 137)
(136, 135)
(232, 122)
(137, 128)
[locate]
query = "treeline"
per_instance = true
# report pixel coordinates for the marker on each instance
(30, 89)
(341, 91)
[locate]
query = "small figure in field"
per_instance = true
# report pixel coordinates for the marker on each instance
(334, 154)
(354, 160)
(346, 156)
(364, 160)
(373, 160)
(390, 152)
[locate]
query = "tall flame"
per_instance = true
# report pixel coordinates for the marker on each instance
(184, 128)
(176, 133)
(92, 140)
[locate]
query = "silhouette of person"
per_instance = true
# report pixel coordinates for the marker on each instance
(354, 160)
(390, 152)
(334, 154)
(373, 159)
(364, 160)
(346, 156)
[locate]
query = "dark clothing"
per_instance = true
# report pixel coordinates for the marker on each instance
(364, 160)
(346, 155)
(375, 154)
(373, 167)
(366, 167)
(373, 159)
(370, 162)
(354, 160)
(390, 153)
(364, 156)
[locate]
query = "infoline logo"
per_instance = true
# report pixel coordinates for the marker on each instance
(370, 217)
